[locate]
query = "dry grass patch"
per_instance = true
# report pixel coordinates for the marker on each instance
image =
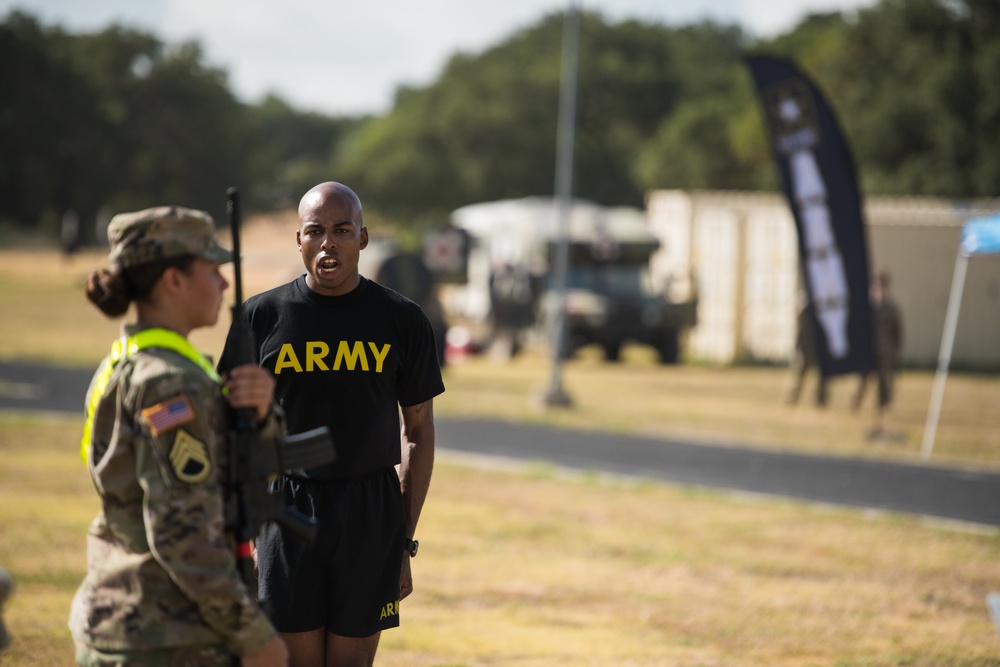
(586, 571)
(47, 318)
(530, 566)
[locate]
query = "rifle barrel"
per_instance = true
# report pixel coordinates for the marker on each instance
(235, 221)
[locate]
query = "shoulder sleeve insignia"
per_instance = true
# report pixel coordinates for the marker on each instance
(189, 458)
(168, 414)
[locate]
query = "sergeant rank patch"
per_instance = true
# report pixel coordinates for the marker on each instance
(189, 458)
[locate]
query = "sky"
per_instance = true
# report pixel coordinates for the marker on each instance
(343, 58)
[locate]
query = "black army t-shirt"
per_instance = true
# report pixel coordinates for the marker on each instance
(346, 362)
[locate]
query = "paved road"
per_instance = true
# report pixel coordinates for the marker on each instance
(951, 493)
(966, 495)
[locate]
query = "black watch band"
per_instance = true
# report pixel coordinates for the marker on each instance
(411, 546)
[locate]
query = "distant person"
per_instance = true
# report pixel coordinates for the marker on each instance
(804, 357)
(408, 274)
(6, 590)
(887, 326)
(163, 586)
(69, 232)
(511, 308)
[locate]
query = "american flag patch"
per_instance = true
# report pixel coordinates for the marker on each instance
(168, 414)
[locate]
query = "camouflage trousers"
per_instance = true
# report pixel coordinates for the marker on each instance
(188, 656)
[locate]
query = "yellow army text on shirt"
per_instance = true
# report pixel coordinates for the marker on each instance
(161, 569)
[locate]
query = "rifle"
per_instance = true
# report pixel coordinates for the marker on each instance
(254, 462)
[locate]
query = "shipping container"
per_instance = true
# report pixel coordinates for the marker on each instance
(738, 252)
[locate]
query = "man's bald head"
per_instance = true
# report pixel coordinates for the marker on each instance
(331, 192)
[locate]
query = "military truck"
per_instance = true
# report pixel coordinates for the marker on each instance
(610, 299)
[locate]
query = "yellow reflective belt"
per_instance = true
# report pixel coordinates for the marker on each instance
(126, 347)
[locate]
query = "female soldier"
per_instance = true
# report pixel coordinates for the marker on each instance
(162, 587)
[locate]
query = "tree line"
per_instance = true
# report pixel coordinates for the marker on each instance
(118, 120)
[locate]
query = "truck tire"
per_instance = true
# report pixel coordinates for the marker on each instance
(669, 348)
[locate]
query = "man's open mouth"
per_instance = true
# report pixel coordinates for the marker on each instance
(327, 265)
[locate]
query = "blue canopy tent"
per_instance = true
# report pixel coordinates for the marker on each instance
(980, 236)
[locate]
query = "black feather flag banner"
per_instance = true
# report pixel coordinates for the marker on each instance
(817, 174)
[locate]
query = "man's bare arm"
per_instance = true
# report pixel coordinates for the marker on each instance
(417, 460)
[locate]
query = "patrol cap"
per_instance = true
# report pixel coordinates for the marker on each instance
(163, 232)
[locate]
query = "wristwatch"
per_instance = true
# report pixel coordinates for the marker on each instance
(411, 546)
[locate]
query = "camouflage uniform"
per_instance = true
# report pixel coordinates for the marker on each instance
(804, 359)
(888, 347)
(887, 335)
(162, 586)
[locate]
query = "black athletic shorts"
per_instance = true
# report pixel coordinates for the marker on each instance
(348, 581)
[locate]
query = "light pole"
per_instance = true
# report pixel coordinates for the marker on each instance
(555, 394)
